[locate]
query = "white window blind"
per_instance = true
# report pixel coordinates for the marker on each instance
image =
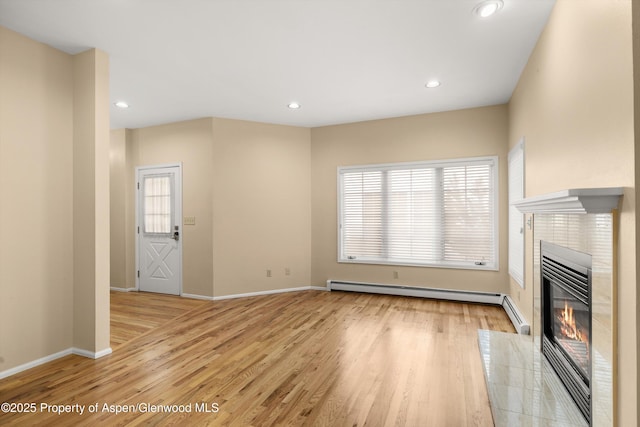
(516, 218)
(427, 214)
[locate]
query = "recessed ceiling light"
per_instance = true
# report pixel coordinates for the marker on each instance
(121, 104)
(488, 8)
(432, 83)
(294, 106)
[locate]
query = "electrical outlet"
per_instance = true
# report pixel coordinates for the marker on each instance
(268, 273)
(287, 271)
(395, 274)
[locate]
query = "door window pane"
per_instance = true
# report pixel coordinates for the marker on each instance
(157, 204)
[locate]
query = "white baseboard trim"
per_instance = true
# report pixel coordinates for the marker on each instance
(253, 294)
(270, 292)
(34, 363)
(195, 296)
(54, 356)
(116, 289)
(91, 354)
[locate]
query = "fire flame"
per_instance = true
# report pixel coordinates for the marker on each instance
(569, 328)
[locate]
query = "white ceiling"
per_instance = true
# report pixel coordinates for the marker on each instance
(342, 60)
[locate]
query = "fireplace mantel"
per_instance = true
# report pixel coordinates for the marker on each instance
(573, 201)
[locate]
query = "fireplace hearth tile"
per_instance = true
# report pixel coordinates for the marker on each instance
(504, 375)
(507, 418)
(523, 388)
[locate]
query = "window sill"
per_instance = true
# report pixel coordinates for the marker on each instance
(449, 265)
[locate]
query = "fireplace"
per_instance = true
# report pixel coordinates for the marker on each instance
(566, 319)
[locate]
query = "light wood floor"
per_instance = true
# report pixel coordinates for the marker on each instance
(134, 313)
(303, 358)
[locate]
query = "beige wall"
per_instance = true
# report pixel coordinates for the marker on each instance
(118, 207)
(261, 206)
(636, 79)
(91, 201)
(574, 106)
(457, 134)
(36, 200)
(187, 142)
(248, 186)
(46, 99)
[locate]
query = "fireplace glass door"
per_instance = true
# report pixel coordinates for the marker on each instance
(571, 328)
(566, 319)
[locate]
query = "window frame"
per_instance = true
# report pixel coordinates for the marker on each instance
(517, 242)
(493, 161)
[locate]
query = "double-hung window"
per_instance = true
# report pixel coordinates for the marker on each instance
(435, 214)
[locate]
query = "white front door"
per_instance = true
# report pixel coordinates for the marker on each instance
(159, 229)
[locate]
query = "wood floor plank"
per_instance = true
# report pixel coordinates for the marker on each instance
(135, 313)
(304, 358)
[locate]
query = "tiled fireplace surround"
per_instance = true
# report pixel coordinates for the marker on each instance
(592, 233)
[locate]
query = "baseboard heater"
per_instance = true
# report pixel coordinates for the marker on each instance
(413, 291)
(522, 327)
(444, 294)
